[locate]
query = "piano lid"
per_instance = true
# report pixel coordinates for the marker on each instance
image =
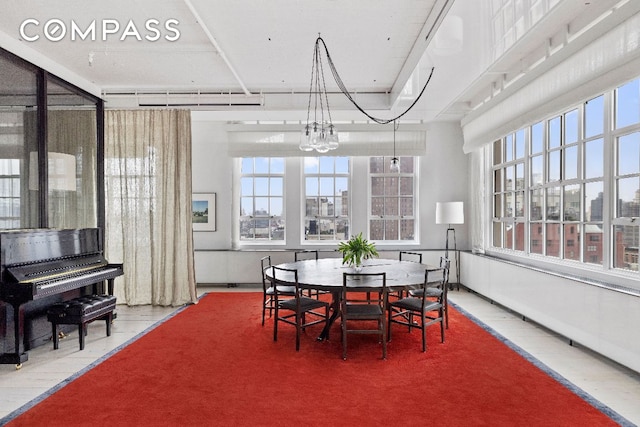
(41, 245)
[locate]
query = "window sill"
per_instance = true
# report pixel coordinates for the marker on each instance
(617, 280)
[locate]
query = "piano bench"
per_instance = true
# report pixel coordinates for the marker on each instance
(80, 311)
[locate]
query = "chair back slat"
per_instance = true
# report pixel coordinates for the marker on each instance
(410, 256)
(305, 254)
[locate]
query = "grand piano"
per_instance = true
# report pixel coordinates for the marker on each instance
(42, 265)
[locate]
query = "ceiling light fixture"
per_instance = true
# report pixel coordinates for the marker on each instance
(320, 134)
(395, 163)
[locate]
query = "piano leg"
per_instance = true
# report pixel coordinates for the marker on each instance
(18, 356)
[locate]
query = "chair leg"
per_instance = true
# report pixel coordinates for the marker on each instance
(264, 307)
(441, 325)
(344, 339)
(383, 326)
(446, 313)
(275, 322)
(81, 333)
(326, 320)
(56, 339)
(109, 320)
(298, 328)
(424, 334)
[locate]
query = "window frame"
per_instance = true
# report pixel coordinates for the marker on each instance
(272, 219)
(399, 217)
(343, 217)
(592, 186)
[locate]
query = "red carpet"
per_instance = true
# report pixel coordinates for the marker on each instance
(214, 364)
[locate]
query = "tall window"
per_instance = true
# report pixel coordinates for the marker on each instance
(262, 199)
(626, 230)
(392, 202)
(508, 197)
(550, 183)
(326, 195)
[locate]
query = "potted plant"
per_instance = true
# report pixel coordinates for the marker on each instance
(357, 249)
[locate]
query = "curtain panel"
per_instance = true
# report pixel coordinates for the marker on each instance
(148, 205)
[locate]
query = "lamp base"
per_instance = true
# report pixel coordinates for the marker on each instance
(457, 256)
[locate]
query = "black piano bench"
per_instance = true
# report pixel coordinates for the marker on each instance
(80, 311)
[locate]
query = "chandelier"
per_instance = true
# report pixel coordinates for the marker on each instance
(320, 134)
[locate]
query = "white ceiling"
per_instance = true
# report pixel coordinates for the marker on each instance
(260, 52)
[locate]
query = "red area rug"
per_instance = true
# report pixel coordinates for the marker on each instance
(214, 364)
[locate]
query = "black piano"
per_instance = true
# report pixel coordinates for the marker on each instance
(41, 266)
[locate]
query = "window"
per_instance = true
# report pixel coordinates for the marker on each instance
(326, 190)
(508, 196)
(262, 199)
(392, 202)
(626, 233)
(558, 190)
(10, 193)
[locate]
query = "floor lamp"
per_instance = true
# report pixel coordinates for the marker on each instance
(451, 213)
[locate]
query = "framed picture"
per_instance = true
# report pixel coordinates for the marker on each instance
(204, 211)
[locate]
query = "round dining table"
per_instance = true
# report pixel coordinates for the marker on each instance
(327, 274)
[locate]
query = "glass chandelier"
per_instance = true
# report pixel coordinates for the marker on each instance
(319, 134)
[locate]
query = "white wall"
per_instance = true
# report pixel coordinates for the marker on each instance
(443, 177)
(601, 319)
(212, 173)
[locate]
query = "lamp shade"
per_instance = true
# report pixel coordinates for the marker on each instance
(62, 171)
(450, 213)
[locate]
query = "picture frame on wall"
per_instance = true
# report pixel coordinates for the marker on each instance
(203, 216)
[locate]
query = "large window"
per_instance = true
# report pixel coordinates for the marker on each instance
(392, 202)
(328, 198)
(326, 195)
(551, 182)
(626, 230)
(262, 199)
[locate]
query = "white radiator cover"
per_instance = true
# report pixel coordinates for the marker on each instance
(603, 320)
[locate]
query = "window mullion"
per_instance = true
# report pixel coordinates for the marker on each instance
(609, 182)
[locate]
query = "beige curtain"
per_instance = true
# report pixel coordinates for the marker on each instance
(148, 205)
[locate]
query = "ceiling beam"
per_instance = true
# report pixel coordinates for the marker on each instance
(429, 29)
(215, 44)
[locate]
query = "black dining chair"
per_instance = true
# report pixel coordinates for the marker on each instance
(357, 305)
(268, 300)
(405, 310)
(408, 256)
(435, 292)
(298, 308)
(308, 254)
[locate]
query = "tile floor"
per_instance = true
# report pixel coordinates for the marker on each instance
(615, 386)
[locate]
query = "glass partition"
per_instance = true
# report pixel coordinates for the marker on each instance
(72, 158)
(19, 203)
(47, 127)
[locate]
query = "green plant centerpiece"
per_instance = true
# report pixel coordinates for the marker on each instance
(357, 249)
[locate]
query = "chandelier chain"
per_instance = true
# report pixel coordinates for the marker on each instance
(346, 93)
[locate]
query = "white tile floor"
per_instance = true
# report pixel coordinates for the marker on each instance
(616, 387)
